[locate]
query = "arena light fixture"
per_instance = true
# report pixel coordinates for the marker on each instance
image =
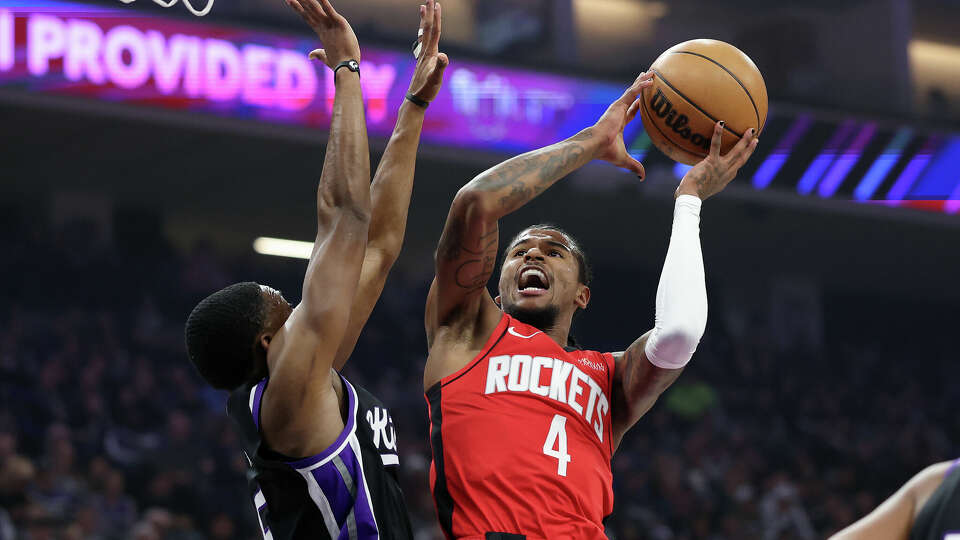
(913, 169)
(841, 167)
(940, 179)
(281, 247)
(881, 167)
(811, 177)
(771, 166)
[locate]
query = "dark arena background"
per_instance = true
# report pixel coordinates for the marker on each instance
(133, 184)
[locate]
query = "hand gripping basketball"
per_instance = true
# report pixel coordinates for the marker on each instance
(711, 175)
(611, 125)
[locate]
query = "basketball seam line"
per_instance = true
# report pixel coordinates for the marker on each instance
(643, 103)
(756, 111)
(695, 106)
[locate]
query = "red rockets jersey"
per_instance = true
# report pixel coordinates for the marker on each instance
(522, 440)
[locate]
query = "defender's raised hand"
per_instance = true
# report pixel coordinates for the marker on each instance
(711, 175)
(428, 76)
(335, 33)
(611, 125)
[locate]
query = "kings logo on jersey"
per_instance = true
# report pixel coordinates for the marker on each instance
(383, 434)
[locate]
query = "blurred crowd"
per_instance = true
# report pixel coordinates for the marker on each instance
(107, 433)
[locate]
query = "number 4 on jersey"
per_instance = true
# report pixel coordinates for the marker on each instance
(556, 444)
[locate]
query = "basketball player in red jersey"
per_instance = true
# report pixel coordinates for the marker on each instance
(523, 426)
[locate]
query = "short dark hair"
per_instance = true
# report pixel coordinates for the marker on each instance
(220, 334)
(586, 272)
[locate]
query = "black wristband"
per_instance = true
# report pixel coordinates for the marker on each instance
(417, 101)
(352, 65)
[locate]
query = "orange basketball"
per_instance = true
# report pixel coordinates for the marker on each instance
(698, 83)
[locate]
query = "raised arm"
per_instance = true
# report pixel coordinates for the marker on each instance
(393, 181)
(301, 354)
(467, 250)
(893, 519)
(654, 361)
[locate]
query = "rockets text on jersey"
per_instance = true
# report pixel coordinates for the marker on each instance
(523, 373)
(522, 440)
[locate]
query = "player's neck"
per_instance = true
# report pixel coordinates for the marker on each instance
(559, 331)
(556, 325)
(559, 335)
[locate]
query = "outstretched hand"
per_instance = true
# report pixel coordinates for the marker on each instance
(336, 35)
(611, 125)
(428, 75)
(711, 175)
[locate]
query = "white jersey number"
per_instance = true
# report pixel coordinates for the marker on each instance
(556, 444)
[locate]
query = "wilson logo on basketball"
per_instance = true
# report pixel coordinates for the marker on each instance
(661, 106)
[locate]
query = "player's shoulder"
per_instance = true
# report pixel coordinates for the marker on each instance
(933, 475)
(923, 484)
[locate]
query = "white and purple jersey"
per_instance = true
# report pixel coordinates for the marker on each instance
(347, 492)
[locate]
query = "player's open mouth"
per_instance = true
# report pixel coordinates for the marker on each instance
(532, 281)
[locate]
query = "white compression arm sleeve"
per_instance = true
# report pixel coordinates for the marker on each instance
(682, 293)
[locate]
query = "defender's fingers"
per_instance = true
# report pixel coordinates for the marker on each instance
(319, 54)
(312, 9)
(418, 44)
(295, 5)
(328, 8)
(435, 35)
(436, 75)
(427, 20)
(442, 61)
(426, 24)
(717, 136)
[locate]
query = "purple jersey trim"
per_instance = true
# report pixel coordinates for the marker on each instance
(257, 395)
(342, 485)
(366, 523)
(338, 445)
(952, 467)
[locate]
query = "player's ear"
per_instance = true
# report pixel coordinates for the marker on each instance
(583, 296)
(264, 341)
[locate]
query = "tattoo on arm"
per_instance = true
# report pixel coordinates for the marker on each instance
(512, 184)
(474, 273)
(515, 181)
(477, 265)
